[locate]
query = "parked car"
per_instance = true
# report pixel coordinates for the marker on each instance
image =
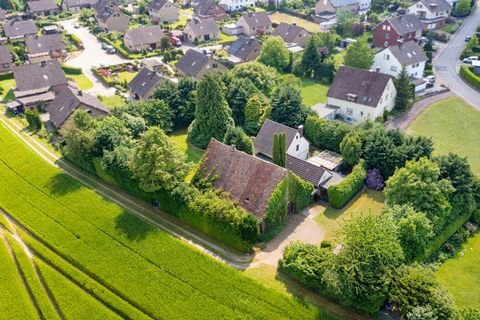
(104, 45)
(111, 51)
(175, 41)
(470, 59)
(430, 79)
(76, 25)
(429, 85)
(468, 38)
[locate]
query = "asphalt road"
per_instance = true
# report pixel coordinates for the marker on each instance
(447, 62)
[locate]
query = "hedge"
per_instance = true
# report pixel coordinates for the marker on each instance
(339, 194)
(325, 134)
(472, 79)
(72, 70)
(6, 76)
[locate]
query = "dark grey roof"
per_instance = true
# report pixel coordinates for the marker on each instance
(14, 29)
(437, 5)
(362, 86)
(257, 19)
(5, 56)
(41, 5)
(39, 75)
(288, 32)
(406, 23)
(144, 81)
(157, 4)
(343, 3)
(264, 139)
(67, 101)
(192, 62)
(80, 3)
(46, 43)
(243, 47)
(408, 53)
(305, 170)
(249, 180)
(201, 27)
(207, 7)
(106, 8)
(144, 35)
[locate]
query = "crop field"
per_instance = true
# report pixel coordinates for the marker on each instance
(99, 261)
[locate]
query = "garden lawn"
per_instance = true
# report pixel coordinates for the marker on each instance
(369, 202)
(150, 269)
(454, 127)
(461, 274)
(126, 76)
(313, 92)
(193, 153)
(113, 101)
(83, 83)
(279, 17)
(339, 58)
(7, 87)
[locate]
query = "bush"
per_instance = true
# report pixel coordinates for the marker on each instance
(467, 75)
(339, 194)
(6, 76)
(71, 70)
(374, 180)
(33, 119)
(325, 134)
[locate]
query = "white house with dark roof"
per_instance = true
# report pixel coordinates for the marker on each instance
(432, 13)
(143, 38)
(253, 24)
(201, 29)
(360, 95)
(234, 5)
(163, 11)
(409, 55)
(296, 144)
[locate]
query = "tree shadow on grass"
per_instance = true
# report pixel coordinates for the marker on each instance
(62, 183)
(132, 227)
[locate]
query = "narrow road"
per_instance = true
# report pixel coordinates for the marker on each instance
(447, 62)
(92, 56)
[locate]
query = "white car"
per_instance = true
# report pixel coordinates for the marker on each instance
(430, 79)
(470, 59)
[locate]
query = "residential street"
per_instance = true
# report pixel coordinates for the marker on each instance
(92, 55)
(447, 63)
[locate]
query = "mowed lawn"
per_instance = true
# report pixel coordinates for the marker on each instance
(461, 274)
(279, 17)
(454, 127)
(113, 101)
(7, 90)
(83, 83)
(369, 202)
(193, 153)
(135, 264)
(313, 92)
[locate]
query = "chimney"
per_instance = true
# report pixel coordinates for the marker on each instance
(300, 130)
(80, 92)
(294, 23)
(43, 63)
(377, 69)
(232, 148)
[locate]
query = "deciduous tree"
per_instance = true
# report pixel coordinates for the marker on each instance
(274, 54)
(350, 148)
(359, 54)
(239, 91)
(287, 106)
(235, 136)
(255, 113)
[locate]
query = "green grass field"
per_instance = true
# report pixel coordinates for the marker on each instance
(454, 127)
(313, 92)
(83, 83)
(7, 90)
(369, 202)
(193, 153)
(132, 262)
(113, 101)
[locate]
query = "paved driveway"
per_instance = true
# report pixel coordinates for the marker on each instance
(447, 62)
(92, 55)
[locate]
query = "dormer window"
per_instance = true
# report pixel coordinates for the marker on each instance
(351, 97)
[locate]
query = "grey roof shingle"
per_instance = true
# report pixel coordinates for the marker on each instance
(264, 139)
(249, 180)
(343, 3)
(243, 47)
(305, 170)
(208, 7)
(203, 27)
(5, 56)
(46, 43)
(106, 8)
(19, 28)
(366, 86)
(192, 62)
(408, 53)
(288, 32)
(144, 81)
(257, 19)
(144, 35)
(39, 75)
(80, 3)
(42, 5)
(406, 23)
(437, 5)
(157, 4)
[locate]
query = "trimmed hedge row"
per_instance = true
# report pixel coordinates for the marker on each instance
(6, 76)
(326, 134)
(467, 75)
(339, 194)
(71, 70)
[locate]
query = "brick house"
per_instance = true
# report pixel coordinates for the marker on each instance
(401, 28)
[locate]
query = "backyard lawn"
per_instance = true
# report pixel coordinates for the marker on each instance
(313, 92)
(7, 90)
(193, 153)
(279, 17)
(369, 202)
(113, 101)
(83, 83)
(454, 127)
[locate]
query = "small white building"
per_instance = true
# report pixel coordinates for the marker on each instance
(360, 95)
(432, 13)
(409, 55)
(296, 144)
(234, 5)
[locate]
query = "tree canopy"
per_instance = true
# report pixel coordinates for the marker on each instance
(287, 106)
(359, 54)
(274, 54)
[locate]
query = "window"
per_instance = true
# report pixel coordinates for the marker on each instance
(386, 44)
(298, 147)
(214, 65)
(384, 27)
(393, 68)
(361, 113)
(388, 28)
(387, 35)
(386, 56)
(349, 111)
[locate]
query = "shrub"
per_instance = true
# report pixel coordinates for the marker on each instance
(326, 134)
(71, 70)
(33, 119)
(374, 180)
(339, 194)
(467, 75)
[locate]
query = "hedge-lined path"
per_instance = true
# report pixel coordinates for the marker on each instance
(92, 56)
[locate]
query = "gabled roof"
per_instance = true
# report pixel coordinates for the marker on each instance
(144, 35)
(306, 170)
(208, 7)
(408, 53)
(105, 9)
(41, 5)
(203, 27)
(157, 4)
(264, 139)
(249, 180)
(288, 32)
(39, 75)
(144, 81)
(67, 101)
(343, 3)
(192, 62)
(19, 28)
(257, 19)
(406, 23)
(358, 85)
(5, 56)
(80, 3)
(436, 5)
(46, 43)
(243, 47)
(324, 6)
